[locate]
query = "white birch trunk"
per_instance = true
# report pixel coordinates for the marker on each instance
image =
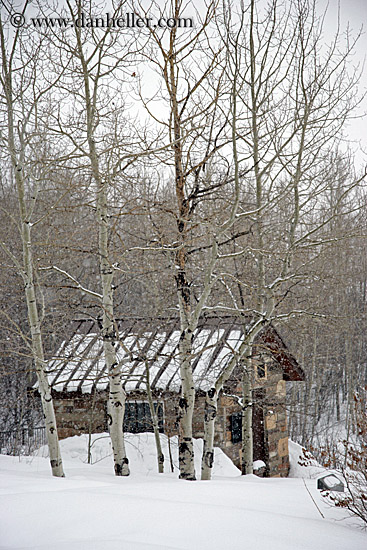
(211, 402)
(26, 270)
(160, 455)
(186, 410)
(247, 435)
(35, 327)
(38, 356)
(117, 396)
(210, 413)
(180, 127)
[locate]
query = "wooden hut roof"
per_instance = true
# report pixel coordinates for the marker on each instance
(79, 364)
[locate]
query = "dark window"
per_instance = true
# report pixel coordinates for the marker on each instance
(236, 427)
(261, 371)
(138, 418)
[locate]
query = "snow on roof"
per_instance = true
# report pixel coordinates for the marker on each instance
(79, 363)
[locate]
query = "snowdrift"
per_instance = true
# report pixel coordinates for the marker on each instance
(91, 509)
(142, 454)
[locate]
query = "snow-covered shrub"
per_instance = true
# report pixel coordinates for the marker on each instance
(354, 472)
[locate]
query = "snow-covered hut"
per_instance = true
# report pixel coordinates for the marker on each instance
(79, 382)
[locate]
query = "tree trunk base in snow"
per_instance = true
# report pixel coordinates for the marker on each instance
(186, 460)
(57, 468)
(122, 469)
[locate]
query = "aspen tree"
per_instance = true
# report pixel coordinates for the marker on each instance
(18, 76)
(90, 66)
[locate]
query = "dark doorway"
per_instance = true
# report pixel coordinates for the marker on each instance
(258, 428)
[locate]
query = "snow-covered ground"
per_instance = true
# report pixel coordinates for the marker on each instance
(91, 509)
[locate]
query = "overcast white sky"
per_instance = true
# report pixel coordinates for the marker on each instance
(354, 12)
